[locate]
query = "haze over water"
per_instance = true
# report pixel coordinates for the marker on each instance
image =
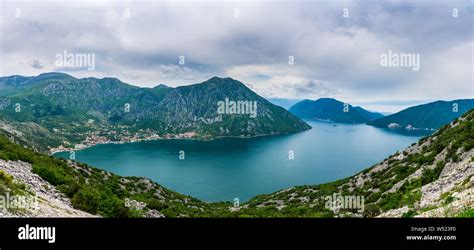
(224, 169)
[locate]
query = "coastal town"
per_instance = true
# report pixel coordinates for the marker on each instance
(116, 135)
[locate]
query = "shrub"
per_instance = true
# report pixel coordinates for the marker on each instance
(468, 213)
(409, 214)
(55, 176)
(371, 210)
(430, 175)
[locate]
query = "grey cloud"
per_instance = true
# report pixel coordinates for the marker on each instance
(342, 53)
(36, 64)
(314, 88)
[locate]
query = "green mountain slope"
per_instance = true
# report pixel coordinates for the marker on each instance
(193, 108)
(328, 109)
(73, 107)
(430, 116)
(98, 192)
(431, 178)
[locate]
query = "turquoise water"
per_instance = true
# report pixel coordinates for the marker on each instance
(229, 168)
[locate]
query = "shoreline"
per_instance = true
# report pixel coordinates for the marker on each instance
(193, 136)
(82, 146)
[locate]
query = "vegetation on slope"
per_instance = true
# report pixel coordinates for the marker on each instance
(71, 107)
(385, 186)
(8, 185)
(332, 110)
(99, 192)
(379, 183)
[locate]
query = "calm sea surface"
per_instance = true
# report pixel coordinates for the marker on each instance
(224, 169)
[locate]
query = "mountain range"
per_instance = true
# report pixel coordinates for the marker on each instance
(60, 102)
(65, 110)
(328, 109)
(422, 118)
(430, 116)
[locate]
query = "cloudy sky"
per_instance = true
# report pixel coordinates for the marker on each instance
(336, 46)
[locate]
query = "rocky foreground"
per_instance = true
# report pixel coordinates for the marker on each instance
(50, 202)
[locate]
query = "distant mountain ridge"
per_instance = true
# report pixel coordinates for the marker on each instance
(283, 102)
(369, 114)
(430, 116)
(328, 109)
